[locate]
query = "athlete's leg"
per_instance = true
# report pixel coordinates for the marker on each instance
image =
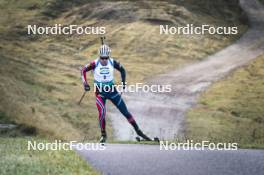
(100, 103)
(120, 104)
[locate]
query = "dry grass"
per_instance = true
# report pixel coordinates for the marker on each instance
(232, 109)
(16, 159)
(40, 78)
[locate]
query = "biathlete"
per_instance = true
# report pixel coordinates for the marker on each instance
(103, 71)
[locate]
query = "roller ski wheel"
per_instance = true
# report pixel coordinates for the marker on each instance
(155, 139)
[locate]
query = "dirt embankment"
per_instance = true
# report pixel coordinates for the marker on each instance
(163, 115)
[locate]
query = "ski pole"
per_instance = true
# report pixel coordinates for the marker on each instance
(102, 40)
(81, 98)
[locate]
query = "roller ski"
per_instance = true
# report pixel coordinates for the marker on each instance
(142, 137)
(155, 139)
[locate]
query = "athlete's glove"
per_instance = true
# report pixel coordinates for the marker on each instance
(124, 85)
(86, 87)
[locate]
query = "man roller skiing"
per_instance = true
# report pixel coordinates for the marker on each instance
(103, 71)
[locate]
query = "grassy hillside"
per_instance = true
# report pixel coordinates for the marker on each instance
(232, 109)
(39, 76)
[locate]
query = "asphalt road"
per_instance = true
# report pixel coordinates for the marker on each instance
(133, 159)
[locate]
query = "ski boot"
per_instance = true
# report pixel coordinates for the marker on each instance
(141, 134)
(103, 138)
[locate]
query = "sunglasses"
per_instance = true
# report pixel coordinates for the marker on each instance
(104, 58)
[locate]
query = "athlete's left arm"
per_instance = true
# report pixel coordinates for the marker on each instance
(122, 70)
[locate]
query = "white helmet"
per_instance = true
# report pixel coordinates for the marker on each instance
(104, 51)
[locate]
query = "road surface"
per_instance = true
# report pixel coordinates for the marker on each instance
(133, 159)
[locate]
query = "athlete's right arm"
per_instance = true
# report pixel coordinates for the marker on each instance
(85, 69)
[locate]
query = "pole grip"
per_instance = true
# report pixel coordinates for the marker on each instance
(102, 40)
